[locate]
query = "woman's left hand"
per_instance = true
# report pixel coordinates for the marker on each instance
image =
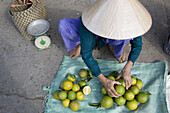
(126, 74)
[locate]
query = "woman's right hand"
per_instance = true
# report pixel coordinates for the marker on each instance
(109, 85)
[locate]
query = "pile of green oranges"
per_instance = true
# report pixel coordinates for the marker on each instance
(128, 97)
(71, 92)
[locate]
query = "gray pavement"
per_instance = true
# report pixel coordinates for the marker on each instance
(24, 69)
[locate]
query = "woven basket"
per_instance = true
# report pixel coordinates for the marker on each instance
(24, 15)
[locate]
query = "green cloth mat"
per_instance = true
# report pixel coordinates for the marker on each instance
(153, 76)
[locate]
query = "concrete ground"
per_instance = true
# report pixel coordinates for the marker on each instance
(24, 69)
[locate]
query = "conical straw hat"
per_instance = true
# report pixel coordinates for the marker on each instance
(117, 19)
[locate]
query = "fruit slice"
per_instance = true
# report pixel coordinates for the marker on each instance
(86, 90)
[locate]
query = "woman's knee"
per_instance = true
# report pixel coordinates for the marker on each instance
(62, 23)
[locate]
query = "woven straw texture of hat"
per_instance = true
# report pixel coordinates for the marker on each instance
(117, 19)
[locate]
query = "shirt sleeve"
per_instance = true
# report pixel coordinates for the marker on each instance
(136, 47)
(88, 41)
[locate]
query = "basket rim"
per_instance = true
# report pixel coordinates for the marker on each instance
(32, 6)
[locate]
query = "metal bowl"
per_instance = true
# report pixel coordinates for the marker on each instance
(38, 27)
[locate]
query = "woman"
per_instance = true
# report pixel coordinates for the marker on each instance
(113, 22)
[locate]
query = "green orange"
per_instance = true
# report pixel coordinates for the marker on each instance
(71, 95)
(76, 87)
(134, 89)
(111, 78)
(82, 83)
(72, 78)
(110, 95)
(66, 85)
(114, 73)
(132, 104)
(82, 73)
(103, 91)
(133, 80)
(142, 97)
(56, 95)
(74, 105)
(139, 83)
(120, 89)
(129, 95)
(66, 102)
(80, 96)
(120, 101)
(106, 101)
(62, 95)
(121, 80)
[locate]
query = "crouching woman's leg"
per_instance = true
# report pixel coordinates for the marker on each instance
(69, 30)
